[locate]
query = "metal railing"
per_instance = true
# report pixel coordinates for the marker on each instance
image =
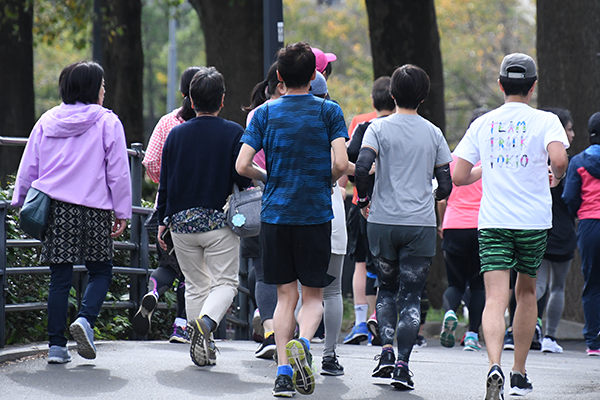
(138, 246)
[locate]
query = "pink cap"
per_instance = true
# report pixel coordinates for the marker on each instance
(322, 59)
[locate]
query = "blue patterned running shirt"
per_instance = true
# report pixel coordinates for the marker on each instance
(296, 132)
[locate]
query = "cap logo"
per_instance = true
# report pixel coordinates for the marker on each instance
(516, 75)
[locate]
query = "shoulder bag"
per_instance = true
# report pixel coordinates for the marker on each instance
(33, 217)
(243, 210)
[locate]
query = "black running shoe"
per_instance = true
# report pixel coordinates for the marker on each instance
(509, 341)
(284, 386)
(331, 366)
(495, 384)
(141, 319)
(520, 384)
(402, 378)
(386, 365)
(536, 342)
(267, 348)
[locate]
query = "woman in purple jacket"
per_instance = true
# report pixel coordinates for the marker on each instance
(77, 155)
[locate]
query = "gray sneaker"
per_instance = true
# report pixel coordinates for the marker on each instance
(58, 355)
(84, 336)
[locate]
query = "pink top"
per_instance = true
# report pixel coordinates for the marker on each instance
(157, 141)
(590, 195)
(462, 211)
(259, 158)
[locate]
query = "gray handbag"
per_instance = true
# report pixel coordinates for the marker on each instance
(243, 210)
(33, 217)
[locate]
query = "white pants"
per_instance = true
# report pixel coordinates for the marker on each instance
(210, 263)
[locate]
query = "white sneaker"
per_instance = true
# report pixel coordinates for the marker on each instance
(550, 346)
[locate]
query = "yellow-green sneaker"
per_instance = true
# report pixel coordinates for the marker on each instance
(301, 362)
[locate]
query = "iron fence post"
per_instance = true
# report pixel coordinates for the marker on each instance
(3, 272)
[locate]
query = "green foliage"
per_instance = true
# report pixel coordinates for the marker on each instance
(475, 36)
(341, 29)
(155, 43)
(31, 326)
(56, 19)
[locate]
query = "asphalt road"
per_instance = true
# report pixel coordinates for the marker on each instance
(160, 370)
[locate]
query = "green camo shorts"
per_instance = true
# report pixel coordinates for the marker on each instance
(522, 250)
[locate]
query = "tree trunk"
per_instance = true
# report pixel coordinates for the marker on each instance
(233, 32)
(406, 32)
(17, 102)
(123, 62)
(568, 52)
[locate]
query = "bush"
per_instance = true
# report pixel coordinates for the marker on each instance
(31, 326)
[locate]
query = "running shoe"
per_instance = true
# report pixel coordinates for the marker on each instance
(83, 333)
(372, 325)
(267, 348)
(386, 364)
(179, 335)
(202, 348)
(593, 352)
(536, 342)
(420, 341)
(141, 319)
(448, 329)
(359, 333)
(402, 378)
(301, 362)
(284, 387)
(331, 366)
(495, 384)
(258, 331)
(549, 345)
(471, 343)
(58, 355)
(509, 341)
(520, 384)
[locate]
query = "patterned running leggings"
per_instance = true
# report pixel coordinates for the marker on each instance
(399, 300)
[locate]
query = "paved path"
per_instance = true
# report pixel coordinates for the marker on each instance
(160, 370)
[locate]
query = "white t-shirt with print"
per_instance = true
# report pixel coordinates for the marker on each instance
(339, 237)
(511, 142)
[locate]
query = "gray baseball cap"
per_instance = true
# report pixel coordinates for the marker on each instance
(521, 65)
(318, 86)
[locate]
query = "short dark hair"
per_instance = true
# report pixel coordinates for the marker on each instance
(206, 90)
(382, 99)
(187, 112)
(514, 86)
(296, 64)
(80, 82)
(409, 86)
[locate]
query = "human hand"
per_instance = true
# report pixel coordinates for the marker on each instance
(118, 227)
(365, 211)
(161, 243)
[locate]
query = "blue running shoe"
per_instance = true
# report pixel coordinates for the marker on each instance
(84, 336)
(359, 333)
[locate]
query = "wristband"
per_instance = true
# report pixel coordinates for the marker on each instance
(362, 203)
(562, 177)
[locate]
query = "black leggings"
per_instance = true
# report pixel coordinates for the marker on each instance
(163, 277)
(401, 283)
